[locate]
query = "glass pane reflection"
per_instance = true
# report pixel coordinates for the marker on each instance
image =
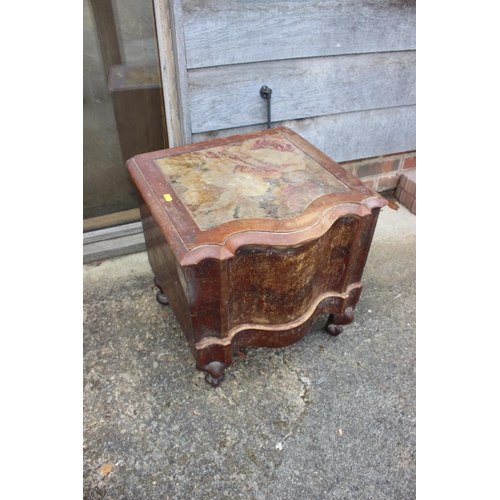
(122, 102)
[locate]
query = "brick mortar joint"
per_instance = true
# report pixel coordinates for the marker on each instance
(398, 173)
(373, 159)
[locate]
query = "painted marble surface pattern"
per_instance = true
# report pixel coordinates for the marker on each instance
(262, 178)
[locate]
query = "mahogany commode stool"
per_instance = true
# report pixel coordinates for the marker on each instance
(251, 238)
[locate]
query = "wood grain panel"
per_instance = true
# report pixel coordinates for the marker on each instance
(234, 32)
(348, 136)
(228, 97)
(305, 272)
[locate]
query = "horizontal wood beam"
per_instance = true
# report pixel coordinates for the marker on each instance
(228, 97)
(111, 219)
(112, 232)
(113, 242)
(275, 30)
(348, 136)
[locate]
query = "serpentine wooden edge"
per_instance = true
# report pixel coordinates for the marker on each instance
(164, 179)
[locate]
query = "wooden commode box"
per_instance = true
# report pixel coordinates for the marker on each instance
(251, 238)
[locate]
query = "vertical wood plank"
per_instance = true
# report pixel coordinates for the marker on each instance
(168, 15)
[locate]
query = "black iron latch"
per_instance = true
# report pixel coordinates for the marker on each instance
(265, 93)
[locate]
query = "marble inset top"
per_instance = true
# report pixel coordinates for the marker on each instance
(261, 178)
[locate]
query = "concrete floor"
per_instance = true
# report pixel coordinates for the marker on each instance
(328, 417)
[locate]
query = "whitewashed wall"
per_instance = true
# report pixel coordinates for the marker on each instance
(342, 72)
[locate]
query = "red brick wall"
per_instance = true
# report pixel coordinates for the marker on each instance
(382, 173)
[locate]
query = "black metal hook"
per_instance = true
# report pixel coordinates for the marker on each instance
(265, 93)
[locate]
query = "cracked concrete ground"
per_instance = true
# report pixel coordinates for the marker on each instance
(328, 417)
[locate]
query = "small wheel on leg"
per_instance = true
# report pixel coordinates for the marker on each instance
(335, 321)
(160, 296)
(333, 329)
(215, 373)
